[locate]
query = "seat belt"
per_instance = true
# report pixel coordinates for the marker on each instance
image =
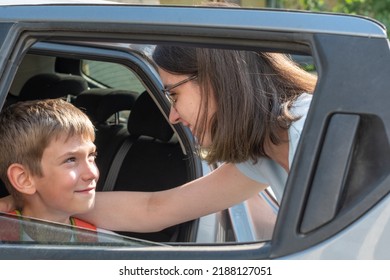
(117, 163)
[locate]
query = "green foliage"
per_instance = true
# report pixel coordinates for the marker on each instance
(379, 10)
(376, 9)
(313, 5)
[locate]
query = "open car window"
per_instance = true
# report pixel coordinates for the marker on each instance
(113, 89)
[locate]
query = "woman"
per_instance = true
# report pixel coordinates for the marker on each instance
(245, 109)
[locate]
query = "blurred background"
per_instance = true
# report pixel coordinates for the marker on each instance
(376, 9)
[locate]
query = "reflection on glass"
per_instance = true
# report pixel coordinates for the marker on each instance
(27, 230)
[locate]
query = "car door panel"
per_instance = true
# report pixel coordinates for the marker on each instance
(365, 166)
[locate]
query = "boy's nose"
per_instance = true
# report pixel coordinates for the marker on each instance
(91, 171)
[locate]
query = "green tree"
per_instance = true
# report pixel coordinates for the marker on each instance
(312, 5)
(376, 9)
(379, 10)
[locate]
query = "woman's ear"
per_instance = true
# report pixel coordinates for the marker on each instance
(20, 178)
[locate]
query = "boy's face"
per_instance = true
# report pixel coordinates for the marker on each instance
(68, 184)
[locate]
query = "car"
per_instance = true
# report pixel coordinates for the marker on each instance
(97, 56)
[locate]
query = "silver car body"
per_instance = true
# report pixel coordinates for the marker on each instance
(346, 222)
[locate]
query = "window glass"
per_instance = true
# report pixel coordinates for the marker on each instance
(111, 75)
(18, 229)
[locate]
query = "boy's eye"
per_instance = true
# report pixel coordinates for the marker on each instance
(93, 155)
(71, 159)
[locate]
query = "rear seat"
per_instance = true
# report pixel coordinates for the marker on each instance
(144, 155)
(50, 85)
(102, 103)
(103, 106)
(155, 160)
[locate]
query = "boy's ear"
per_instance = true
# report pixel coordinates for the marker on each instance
(20, 178)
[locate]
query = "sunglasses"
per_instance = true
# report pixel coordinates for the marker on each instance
(167, 90)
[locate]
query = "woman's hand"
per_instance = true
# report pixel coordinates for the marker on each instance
(7, 204)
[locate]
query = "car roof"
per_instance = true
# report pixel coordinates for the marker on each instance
(46, 2)
(194, 17)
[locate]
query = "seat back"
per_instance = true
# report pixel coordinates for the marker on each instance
(155, 160)
(103, 106)
(152, 161)
(50, 85)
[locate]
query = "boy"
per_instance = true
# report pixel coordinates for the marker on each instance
(47, 161)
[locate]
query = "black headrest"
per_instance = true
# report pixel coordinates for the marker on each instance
(49, 85)
(147, 120)
(100, 104)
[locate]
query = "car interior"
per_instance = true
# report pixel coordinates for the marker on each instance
(133, 137)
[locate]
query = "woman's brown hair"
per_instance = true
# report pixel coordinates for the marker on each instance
(253, 92)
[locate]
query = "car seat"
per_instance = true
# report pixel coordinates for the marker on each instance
(103, 106)
(153, 159)
(147, 157)
(51, 85)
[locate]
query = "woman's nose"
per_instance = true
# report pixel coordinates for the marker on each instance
(174, 116)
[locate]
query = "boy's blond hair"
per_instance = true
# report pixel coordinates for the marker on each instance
(27, 128)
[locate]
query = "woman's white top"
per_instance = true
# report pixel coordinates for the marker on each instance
(267, 171)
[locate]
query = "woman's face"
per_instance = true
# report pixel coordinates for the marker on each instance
(187, 103)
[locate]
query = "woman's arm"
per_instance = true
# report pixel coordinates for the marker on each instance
(154, 211)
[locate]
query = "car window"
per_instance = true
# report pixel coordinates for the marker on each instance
(305, 61)
(27, 230)
(112, 94)
(111, 75)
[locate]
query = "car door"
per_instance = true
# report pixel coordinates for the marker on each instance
(336, 199)
(328, 190)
